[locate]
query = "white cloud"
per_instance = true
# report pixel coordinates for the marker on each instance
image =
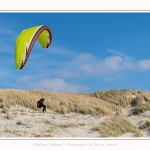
(143, 64)
(85, 57)
(24, 79)
(129, 65)
(113, 63)
(87, 64)
(95, 66)
(107, 65)
(59, 85)
(121, 54)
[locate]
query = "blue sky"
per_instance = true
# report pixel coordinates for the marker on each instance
(89, 52)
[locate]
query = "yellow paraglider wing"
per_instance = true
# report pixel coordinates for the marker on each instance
(26, 40)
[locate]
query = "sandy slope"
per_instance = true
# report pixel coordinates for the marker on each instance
(138, 119)
(23, 122)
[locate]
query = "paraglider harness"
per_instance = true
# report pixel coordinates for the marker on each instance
(40, 102)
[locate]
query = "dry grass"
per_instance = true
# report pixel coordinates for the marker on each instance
(1, 100)
(115, 126)
(123, 98)
(141, 105)
(5, 110)
(117, 97)
(145, 125)
(59, 102)
(18, 97)
(145, 95)
(1, 105)
(9, 116)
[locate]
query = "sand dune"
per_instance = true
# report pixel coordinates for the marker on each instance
(25, 122)
(23, 119)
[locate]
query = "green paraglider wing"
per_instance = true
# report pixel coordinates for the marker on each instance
(25, 41)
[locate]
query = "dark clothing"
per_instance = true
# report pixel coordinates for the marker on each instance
(44, 107)
(40, 104)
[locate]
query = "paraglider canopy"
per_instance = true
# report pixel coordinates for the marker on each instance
(25, 42)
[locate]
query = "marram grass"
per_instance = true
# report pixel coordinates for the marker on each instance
(117, 125)
(59, 102)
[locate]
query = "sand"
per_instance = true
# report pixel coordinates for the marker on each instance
(137, 120)
(24, 122)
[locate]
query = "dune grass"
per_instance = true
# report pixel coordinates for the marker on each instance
(123, 98)
(117, 97)
(145, 125)
(145, 95)
(115, 126)
(141, 104)
(59, 102)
